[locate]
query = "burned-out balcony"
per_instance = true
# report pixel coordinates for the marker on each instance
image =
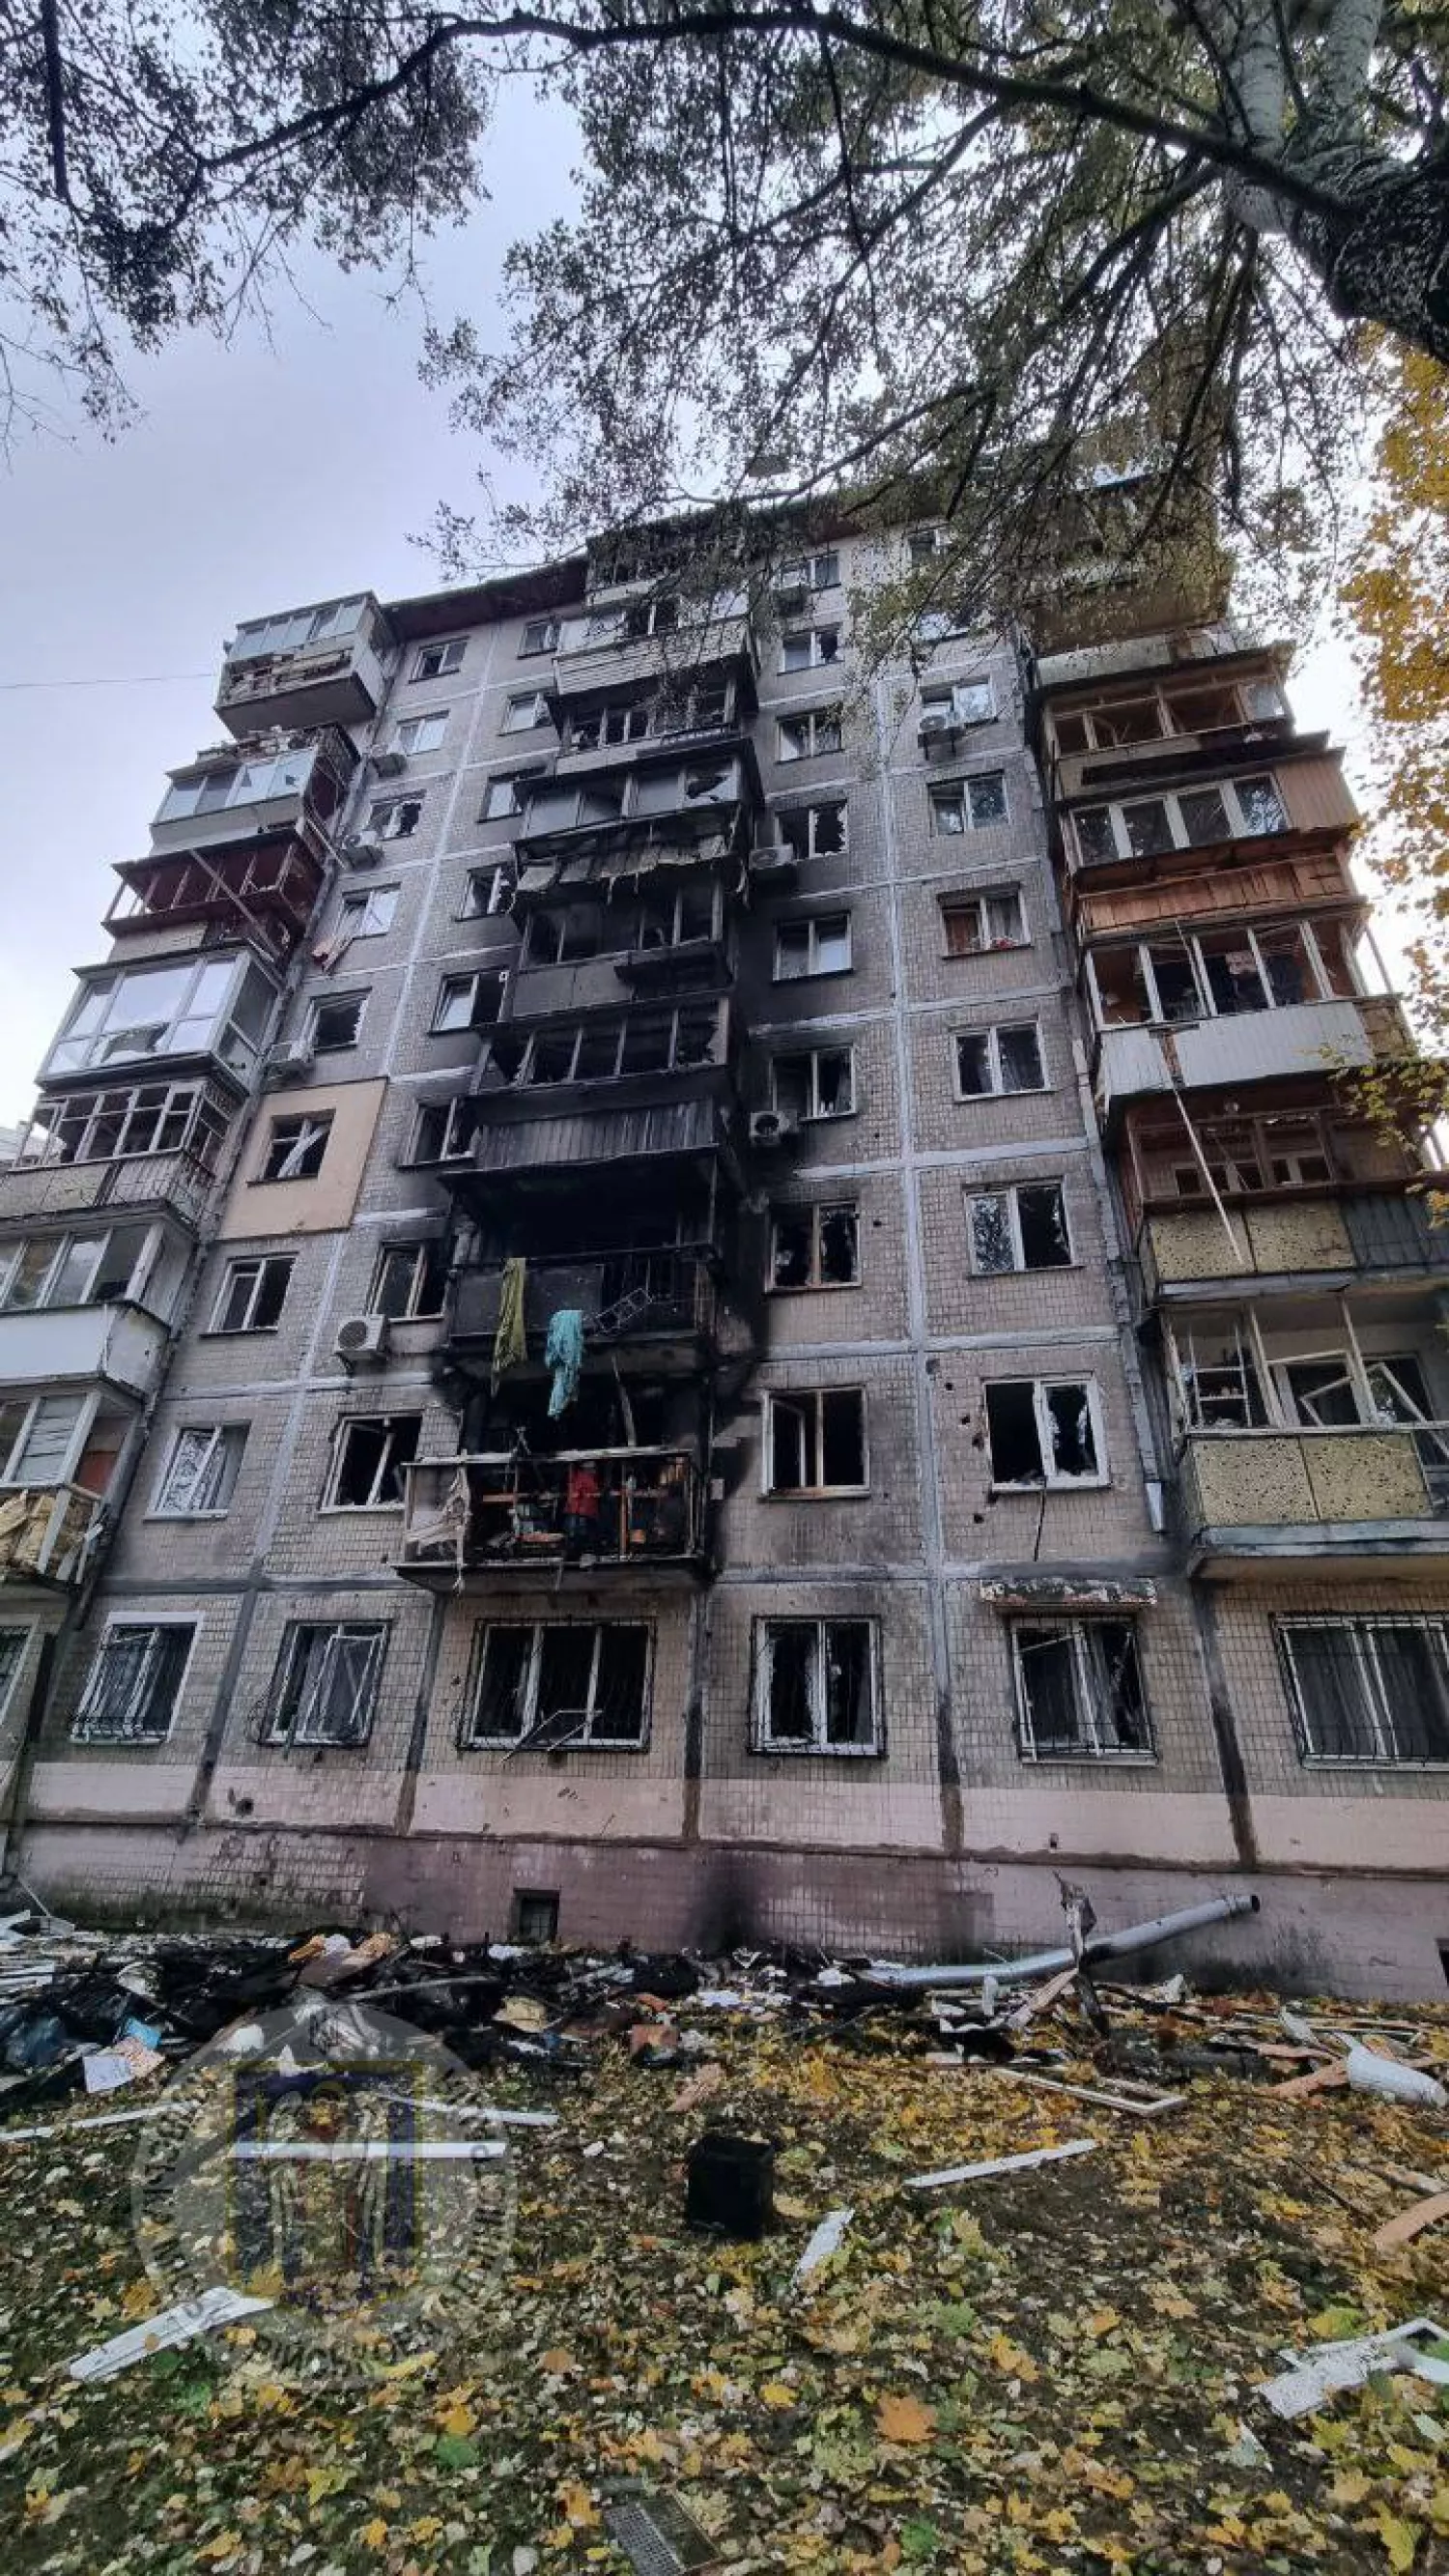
(653, 643)
(271, 890)
(1345, 1495)
(239, 792)
(49, 1535)
(309, 666)
(628, 1143)
(652, 1298)
(596, 1510)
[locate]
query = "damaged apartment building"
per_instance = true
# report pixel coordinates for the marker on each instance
(673, 1283)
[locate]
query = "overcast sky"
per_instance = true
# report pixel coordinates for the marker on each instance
(260, 478)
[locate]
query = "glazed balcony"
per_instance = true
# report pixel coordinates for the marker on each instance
(624, 1297)
(179, 1184)
(49, 1534)
(311, 666)
(242, 792)
(604, 652)
(120, 1344)
(1318, 1037)
(595, 1510)
(164, 1013)
(273, 889)
(1346, 1495)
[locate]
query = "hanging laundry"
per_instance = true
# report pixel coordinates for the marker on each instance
(510, 1341)
(564, 1354)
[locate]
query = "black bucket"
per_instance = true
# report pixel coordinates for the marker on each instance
(731, 2184)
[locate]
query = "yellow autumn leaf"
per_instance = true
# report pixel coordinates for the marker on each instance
(1400, 2539)
(1349, 2487)
(776, 2392)
(373, 2535)
(459, 2421)
(1102, 2320)
(1008, 2356)
(578, 2507)
(1104, 2481)
(905, 2419)
(225, 2545)
(427, 2527)
(556, 2359)
(13, 2435)
(1059, 2525)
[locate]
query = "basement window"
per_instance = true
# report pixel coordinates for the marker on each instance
(1024, 1228)
(535, 1914)
(1044, 1431)
(815, 1247)
(1079, 1690)
(370, 1453)
(815, 1687)
(815, 1442)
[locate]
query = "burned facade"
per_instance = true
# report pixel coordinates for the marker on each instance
(669, 1287)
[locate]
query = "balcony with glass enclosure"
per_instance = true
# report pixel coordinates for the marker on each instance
(308, 666)
(660, 637)
(216, 1008)
(264, 786)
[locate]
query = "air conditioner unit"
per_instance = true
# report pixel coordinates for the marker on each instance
(359, 852)
(773, 863)
(770, 1127)
(791, 597)
(362, 1340)
(288, 1063)
(938, 720)
(389, 764)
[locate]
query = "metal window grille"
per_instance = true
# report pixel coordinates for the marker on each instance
(1368, 1690)
(131, 1689)
(1079, 1690)
(327, 1683)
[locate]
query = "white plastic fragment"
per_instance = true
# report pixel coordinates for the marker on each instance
(366, 2151)
(999, 2165)
(825, 2242)
(1316, 2375)
(218, 2307)
(1368, 2072)
(1144, 2104)
(79, 2128)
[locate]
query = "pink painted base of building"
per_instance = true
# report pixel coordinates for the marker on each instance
(1349, 1933)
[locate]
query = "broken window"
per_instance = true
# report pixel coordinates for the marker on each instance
(814, 831)
(809, 735)
(326, 1685)
(819, 1084)
(1217, 1373)
(1022, 1228)
(969, 804)
(201, 1472)
(486, 891)
(540, 635)
(442, 1130)
(421, 733)
(39, 1438)
(1044, 1431)
(367, 916)
(1004, 1059)
(974, 924)
(333, 1025)
(369, 1456)
(295, 1147)
(809, 648)
(524, 712)
(253, 1294)
(1260, 805)
(501, 798)
(1194, 817)
(468, 1001)
(411, 1280)
(815, 1441)
(395, 818)
(439, 661)
(1204, 815)
(819, 946)
(1147, 828)
(132, 1687)
(815, 1686)
(1079, 1689)
(1368, 1690)
(815, 1247)
(810, 572)
(559, 1681)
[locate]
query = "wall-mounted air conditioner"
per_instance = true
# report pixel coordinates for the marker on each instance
(360, 852)
(389, 764)
(362, 1340)
(770, 1127)
(290, 1062)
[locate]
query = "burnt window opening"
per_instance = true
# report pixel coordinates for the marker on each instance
(815, 1689)
(574, 1681)
(1024, 1228)
(814, 831)
(1079, 1690)
(253, 1294)
(1043, 1431)
(816, 1441)
(443, 1130)
(820, 1084)
(295, 1147)
(369, 1460)
(335, 1022)
(411, 1280)
(815, 1247)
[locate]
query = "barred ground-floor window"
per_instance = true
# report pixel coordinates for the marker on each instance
(1368, 1690)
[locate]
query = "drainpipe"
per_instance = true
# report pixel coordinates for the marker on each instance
(1047, 1963)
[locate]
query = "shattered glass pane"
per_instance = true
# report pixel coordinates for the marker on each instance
(498, 1709)
(1012, 1433)
(791, 1647)
(1021, 1064)
(1074, 1447)
(1262, 806)
(834, 1083)
(1147, 828)
(1096, 840)
(790, 1258)
(1043, 1220)
(842, 1437)
(973, 1064)
(849, 1717)
(988, 800)
(839, 1246)
(991, 1246)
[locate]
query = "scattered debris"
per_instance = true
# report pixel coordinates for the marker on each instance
(1369, 2072)
(1137, 2099)
(999, 2165)
(658, 2537)
(1317, 2375)
(826, 2241)
(1103, 1945)
(1411, 2222)
(218, 2307)
(701, 2088)
(730, 2184)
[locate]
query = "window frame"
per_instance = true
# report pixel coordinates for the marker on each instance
(312, 1125)
(813, 923)
(811, 1400)
(388, 1464)
(814, 1211)
(423, 1251)
(959, 904)
(1049, 1481)
(958, 795)
(226, 1444)
(261, 1263)
(417, 736)
(992, 1034)
(1086, 1661)
(447, 650)
(318, 1004)
(380, 815)
(1169, 798)
(814, 1116)
(1008, 1192)
(472, 976)
(470, 1738)
(281, 1728)
(816, 721)
(84, 1732)
(353, 913)
(810, 811)
(594, 1027)
(764, 1633)
(458, 1110)
(824, 647)
(813, 572)
(552, 632)
(84, 1408)
(513, 704)
(23, 1630)
(949, 695)
(1378, 1698)
(148, 1260)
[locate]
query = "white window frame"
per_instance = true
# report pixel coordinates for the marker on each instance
(260, 1262)
(811, 1399)
(814, 1115)
(470, 1737)
(549, 628)
(220, 1467)
(996, 1089)
(23, 1630)
(1188, 945)
(1227, 788)
(816, 1745)
(816, 721)
(1008, 1192)
(355, 919)
(957, 697)
(811, 1212)
(823, 645)
(447, 652)
(811, 572)
(384, 817)
(986, 947)
(299, 1727)
(318, 1003)
(1091, 1747)
(501, 882)
(441, 1026)
(12, 1255)
(502, 802)
(13, 1470)
(812, 923)
(1378, 1699)
(390, 1423)
(1051, 1480)
(418, 1250)
(960, 795)
(456, 1112)
(83, 1733)
(524, 710)
(810, 814)
(417, 735)
(309, 1124)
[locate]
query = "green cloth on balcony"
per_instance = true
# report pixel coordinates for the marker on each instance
(510, 1341)
(563, 1352)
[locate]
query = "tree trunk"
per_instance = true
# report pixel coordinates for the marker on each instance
(1385, 257)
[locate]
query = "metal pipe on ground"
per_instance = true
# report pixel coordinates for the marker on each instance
(1045, 1963)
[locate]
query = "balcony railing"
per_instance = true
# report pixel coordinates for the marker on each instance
(1246, 1046)
(48, 1533)
(227, 892)
(47, 1346)
(326, 682)
(136, 1181)
(1113, 765)
(589, 1508)
(1292, 1233)
(585, 670)
(1336, 1487)
(622, 1296)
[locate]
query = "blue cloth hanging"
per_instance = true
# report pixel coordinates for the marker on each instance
(563, 1352)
